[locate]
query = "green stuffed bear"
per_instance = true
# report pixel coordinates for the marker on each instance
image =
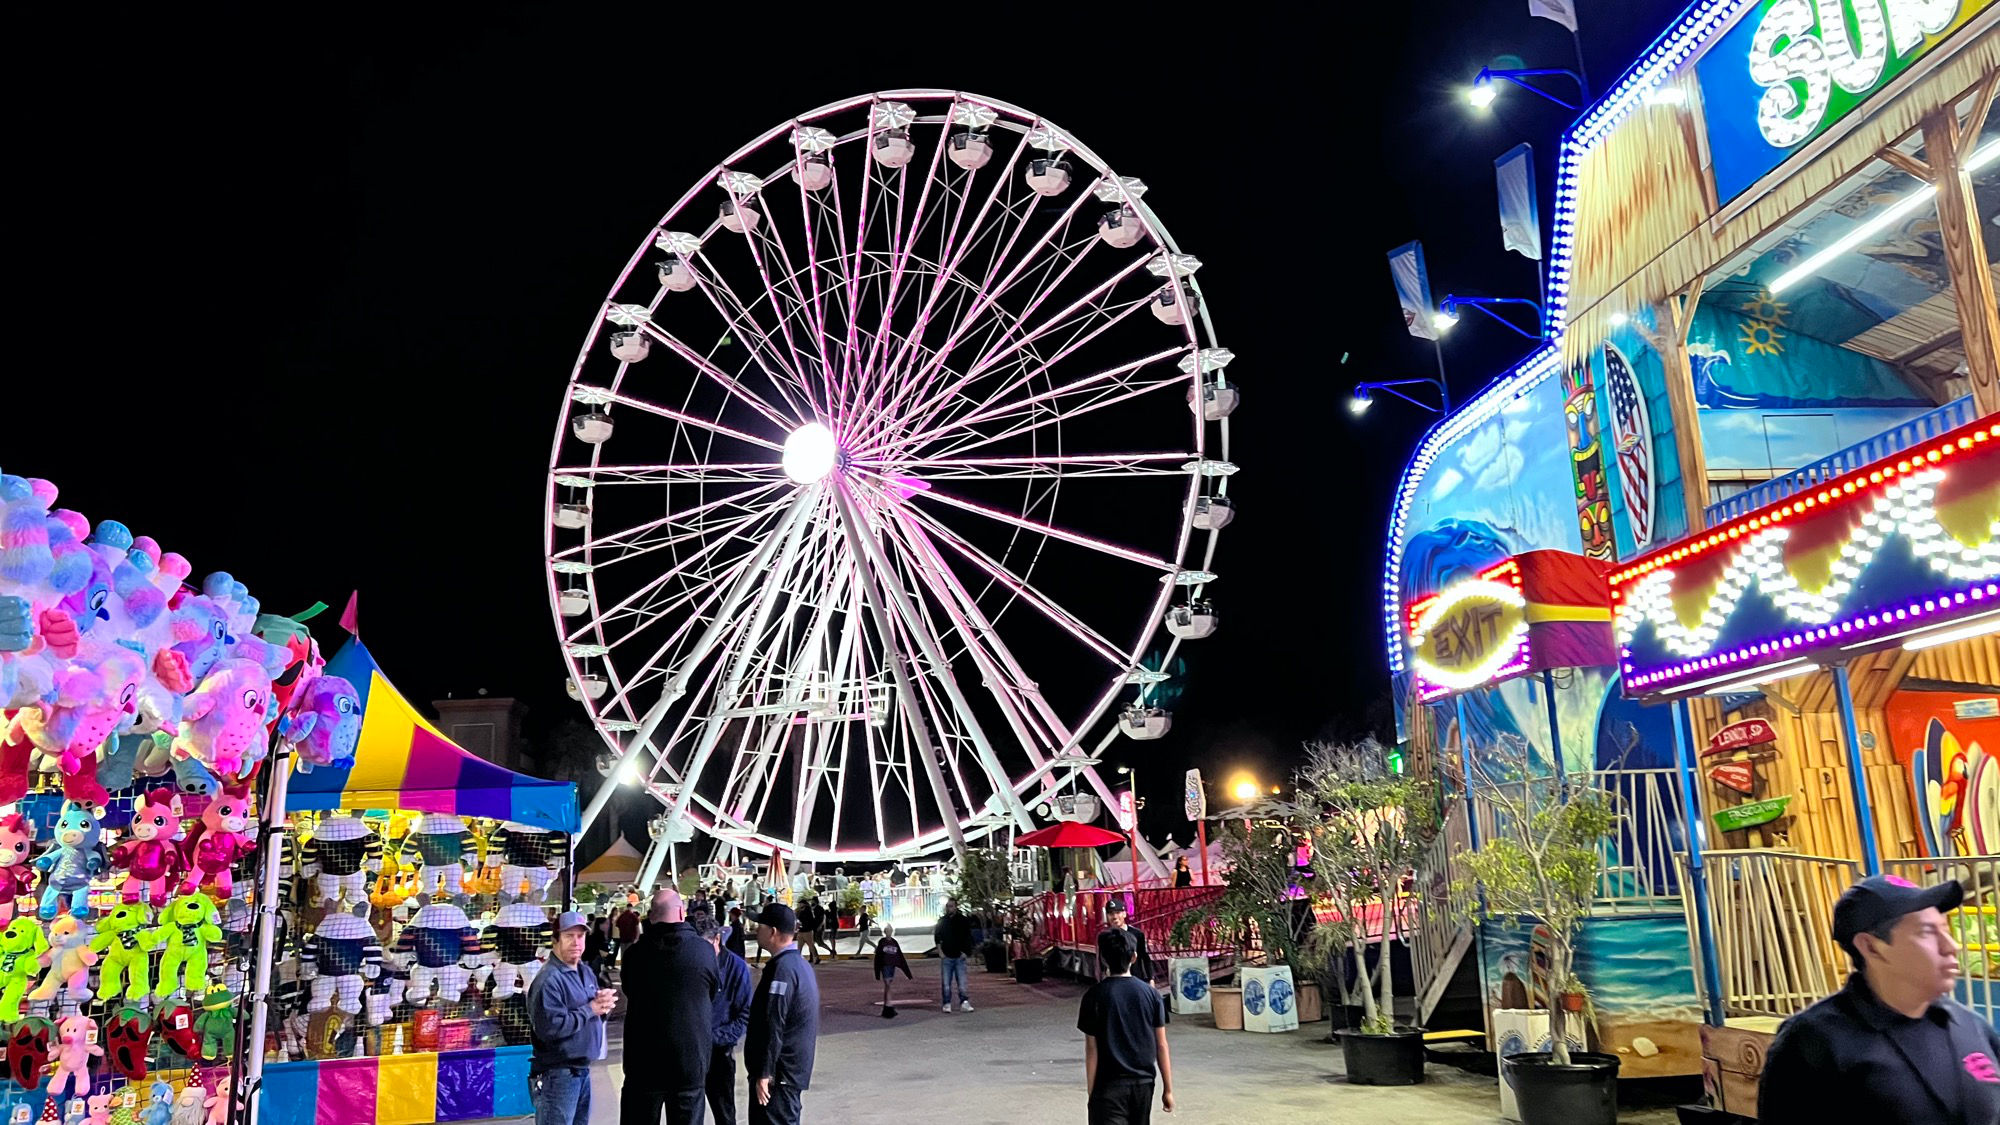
(124, 945)
(188, 924)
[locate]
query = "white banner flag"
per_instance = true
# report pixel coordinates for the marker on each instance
(1561, 11)
(1413, 289)
(1520, 216)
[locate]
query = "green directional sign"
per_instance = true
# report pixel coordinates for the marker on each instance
(1752, 814)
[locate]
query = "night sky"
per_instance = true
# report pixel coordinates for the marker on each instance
(300, 302)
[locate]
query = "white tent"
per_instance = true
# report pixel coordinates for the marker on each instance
(1118, 868)
(618, 864)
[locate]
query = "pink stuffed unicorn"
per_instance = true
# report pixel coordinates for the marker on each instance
(91, 700)
(73, 1057)
(151, 858)
(214, 849)
(223, 721)
(17, 867)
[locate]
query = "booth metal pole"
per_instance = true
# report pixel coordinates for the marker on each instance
(274, 834)
(1857, 773)
(1697, 843)
(1555, 731)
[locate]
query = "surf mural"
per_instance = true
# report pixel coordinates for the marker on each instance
(1644, 1008)
(1644, 493)
(1948, 738)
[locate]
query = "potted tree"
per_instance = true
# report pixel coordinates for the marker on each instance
(1255, 903)
(1541, 865)
(1369, 825)
(984, 886)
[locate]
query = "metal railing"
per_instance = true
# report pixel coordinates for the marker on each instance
(1640, 872)
(1888, 443)
(1443, 929)
(1975, 925)
(1772, 915)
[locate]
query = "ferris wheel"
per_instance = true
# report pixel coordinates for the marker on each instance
(891, 453)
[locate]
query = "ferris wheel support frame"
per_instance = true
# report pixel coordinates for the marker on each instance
(677, 686)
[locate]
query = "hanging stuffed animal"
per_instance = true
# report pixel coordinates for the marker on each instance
(222, 723)
(518, 939)
(68, 958)
(188, 924)
(216, 1023)
(190, 1105)
(152, 856)
(78, 1036)
(123, 944)
(439, 942)
(323, 724)
(92, 697)
(100, 1110)
(201, 634)
(218, 1102)
(160, 1110)
(17, 867)
(210, 852)
(337, 958)
(22, 944)
(128, 1039)
(340, 855)
(442, 841)
(73, 858)
(529, 857)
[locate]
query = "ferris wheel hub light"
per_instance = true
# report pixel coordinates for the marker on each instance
(810, 454)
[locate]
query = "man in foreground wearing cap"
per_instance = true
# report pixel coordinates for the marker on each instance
(566, 1011)
(670, 980)
(1893, 1045)
(784, 1022)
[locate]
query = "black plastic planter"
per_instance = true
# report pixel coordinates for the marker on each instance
(1395, 1059)
(1027, 970)
(1583, 1093)
(996, 957)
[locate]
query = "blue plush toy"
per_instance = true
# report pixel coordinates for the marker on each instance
(74, 857)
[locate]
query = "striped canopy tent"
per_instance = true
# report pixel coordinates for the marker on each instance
(618, 864)
(403, 762)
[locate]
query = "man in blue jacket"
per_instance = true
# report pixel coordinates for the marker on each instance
(731, 1017)
(784, 1022)
(566, 1011)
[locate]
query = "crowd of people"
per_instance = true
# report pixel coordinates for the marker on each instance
(690, 1003)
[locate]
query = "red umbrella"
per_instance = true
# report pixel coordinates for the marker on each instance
(1068, 834)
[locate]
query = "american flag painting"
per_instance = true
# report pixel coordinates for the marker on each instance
(1632, 437)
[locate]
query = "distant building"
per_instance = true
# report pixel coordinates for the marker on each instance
(489, 726)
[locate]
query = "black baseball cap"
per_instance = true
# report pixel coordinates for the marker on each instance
(1885, 898)
(779, 917)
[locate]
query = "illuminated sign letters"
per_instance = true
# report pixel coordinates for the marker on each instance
(1471, 633)
(1790, 69)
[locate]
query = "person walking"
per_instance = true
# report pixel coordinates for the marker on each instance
(784, 1023)
(811, 917)
(953, 937)
(566, 1011)
(1124, 1025)
(597, 946)
(1117, 921)
(862, 920)
(670, 979)
(888, 958)
(1893, 1046)
(731, 1016)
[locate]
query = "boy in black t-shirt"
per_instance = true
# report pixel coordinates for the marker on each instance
(1124, 1025)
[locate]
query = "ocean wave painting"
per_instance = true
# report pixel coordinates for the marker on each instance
(1636, 968)
(1253, 997)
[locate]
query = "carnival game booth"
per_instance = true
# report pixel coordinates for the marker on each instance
(415, 909)
(1765, 403)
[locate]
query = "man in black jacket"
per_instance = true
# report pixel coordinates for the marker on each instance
(1893, 1046)
(1116, 919)
(784, 1023)
(953, 935)
(670, 980)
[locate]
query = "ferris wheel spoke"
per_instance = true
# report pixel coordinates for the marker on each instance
(722, 378)
(686, 517)
(708, 424)
(765, 355)
(1015, 584)
(1071, 537)
(1074, 467)
(978, 439)
(740, 472)
(1048, 401)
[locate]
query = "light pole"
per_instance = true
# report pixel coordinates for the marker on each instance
(1132, 831)
(1364, 397)
(1483, 91)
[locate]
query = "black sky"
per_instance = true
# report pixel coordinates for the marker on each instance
(300, 301)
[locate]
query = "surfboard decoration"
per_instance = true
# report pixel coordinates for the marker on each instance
(1920, 796)
(1752, 814)
(1983, 820)
(1632, 439)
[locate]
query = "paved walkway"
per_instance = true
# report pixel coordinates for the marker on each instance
(1018, 1060)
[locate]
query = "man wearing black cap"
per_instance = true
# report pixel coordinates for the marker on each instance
(1892, 1046)
(784, 1022)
